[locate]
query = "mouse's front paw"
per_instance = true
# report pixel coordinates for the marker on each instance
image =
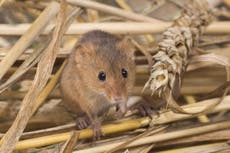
(145, 109)
(82, 122)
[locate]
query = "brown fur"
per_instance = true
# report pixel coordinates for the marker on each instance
(82, 91)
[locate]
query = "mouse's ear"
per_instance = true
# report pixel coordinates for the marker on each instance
(127, 47)
(82, 52)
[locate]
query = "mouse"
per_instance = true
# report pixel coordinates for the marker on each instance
(99, 74)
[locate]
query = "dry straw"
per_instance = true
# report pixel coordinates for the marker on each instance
(43, 72)
(164, 117)
(185, 31)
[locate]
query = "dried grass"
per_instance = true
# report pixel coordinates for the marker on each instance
(39, 56)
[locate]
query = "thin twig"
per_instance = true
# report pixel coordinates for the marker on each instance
(112, 10)
(123, 145)
(221, 27)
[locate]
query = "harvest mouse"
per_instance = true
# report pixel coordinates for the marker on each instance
(99, 74)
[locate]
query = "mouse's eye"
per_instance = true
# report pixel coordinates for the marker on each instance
(102, 76)
(124, 73)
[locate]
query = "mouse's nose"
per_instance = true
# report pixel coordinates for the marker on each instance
(118, 93)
